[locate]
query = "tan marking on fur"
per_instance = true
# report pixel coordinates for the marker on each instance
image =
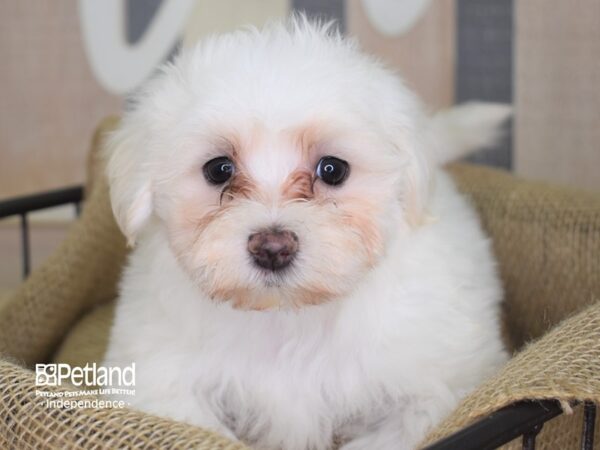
(247, 299)
(361, 218)
(314, 295)
(244, 299)
(185, 231)
(298, 185)
(240, 186)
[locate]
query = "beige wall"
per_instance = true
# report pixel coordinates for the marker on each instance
(50, 99)
(557, 91)
(50, 102)
(228, 15)
(424, 55)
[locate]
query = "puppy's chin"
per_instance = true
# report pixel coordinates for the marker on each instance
(273, 293)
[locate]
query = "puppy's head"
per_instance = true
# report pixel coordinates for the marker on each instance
(280, 165)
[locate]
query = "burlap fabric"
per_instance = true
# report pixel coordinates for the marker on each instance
(547, 240)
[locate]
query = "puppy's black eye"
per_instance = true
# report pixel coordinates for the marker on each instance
(332, 170)
(218, 170)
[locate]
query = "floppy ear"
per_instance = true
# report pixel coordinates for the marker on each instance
(129, 179)
(417, 186)
(415, 172)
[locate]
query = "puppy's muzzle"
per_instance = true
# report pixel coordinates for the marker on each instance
(273, 249)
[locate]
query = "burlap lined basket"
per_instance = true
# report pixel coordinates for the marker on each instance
(547, 240)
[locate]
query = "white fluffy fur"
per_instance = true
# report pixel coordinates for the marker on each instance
(390, 313)
(467, 127)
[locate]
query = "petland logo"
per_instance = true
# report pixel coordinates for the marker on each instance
(101, 387)
(89, 375)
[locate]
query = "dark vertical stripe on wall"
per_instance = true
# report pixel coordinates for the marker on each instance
(329, 9)
(139, 14)
(138, 17)
(484, 63)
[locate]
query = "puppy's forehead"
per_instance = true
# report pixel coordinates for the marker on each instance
(268, 155)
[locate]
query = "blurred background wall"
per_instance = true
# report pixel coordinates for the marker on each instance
(66, 64)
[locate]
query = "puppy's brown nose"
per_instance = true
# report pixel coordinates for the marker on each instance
(273, 249)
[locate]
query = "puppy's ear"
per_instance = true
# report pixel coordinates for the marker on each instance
(417, 186)
(130, 179)
(406, 129)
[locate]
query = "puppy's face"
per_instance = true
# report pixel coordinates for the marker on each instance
(266, 218)
(277, 182)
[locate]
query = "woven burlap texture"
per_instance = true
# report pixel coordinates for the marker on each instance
(547, 240)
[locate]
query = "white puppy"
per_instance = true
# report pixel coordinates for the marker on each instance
(297, 279)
